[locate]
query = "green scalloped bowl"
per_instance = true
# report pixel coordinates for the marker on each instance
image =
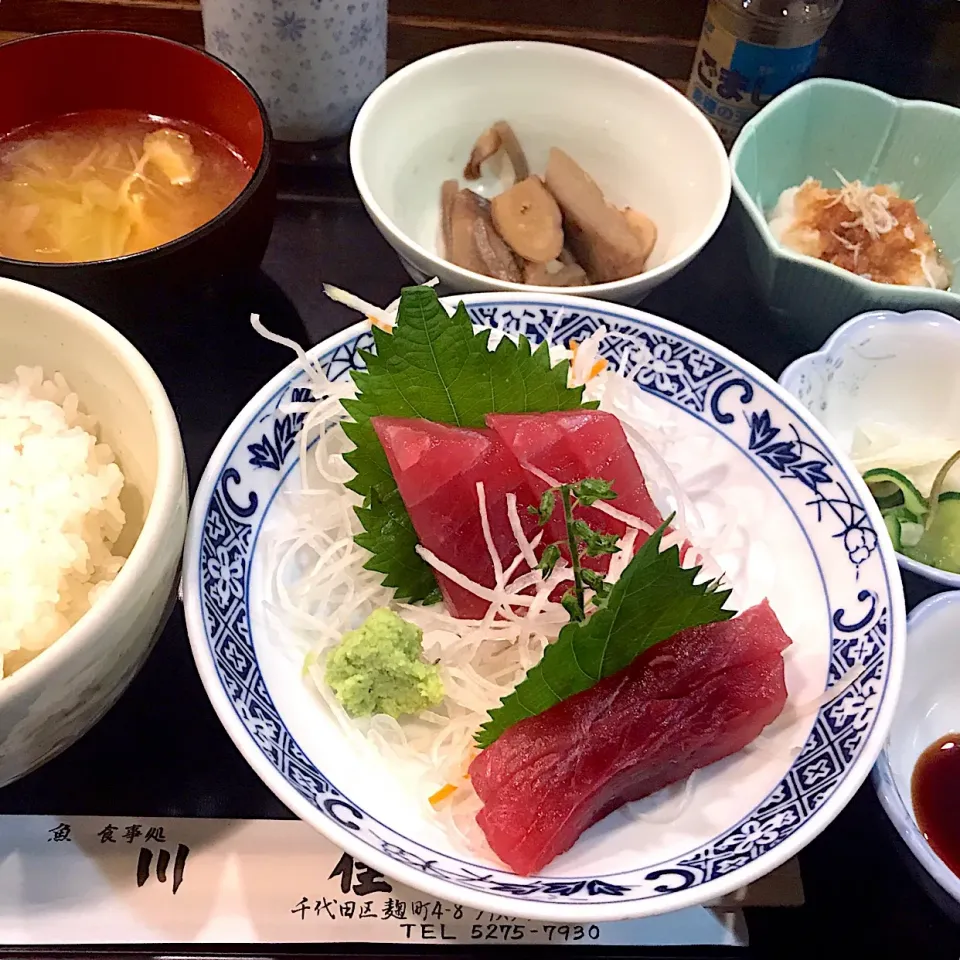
(822, 126)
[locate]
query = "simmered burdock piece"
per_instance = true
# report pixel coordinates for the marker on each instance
(599, 235)
(470, 238)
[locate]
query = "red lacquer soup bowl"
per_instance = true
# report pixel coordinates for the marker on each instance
(58, 74)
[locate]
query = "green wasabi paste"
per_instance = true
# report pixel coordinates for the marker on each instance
(378, 668)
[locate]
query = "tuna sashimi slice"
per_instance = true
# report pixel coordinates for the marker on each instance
(570, 446)
(437, 467)
(686, 703)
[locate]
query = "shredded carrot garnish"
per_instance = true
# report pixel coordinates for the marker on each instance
(377, 322)
(442, 794)
(596, 369)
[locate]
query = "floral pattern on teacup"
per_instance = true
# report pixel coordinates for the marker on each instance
(313, 62)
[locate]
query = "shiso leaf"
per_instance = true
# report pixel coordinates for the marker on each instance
(435, 367)
(654, 599)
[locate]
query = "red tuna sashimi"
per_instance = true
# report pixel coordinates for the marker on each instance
(572, 445)
(688, 702)
(437, 468)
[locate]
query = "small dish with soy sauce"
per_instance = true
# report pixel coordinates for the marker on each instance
(918, 773)
(149, 170)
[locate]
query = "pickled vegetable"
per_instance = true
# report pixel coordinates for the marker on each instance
(926, 529)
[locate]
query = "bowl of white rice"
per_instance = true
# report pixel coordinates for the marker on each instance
(93, 506)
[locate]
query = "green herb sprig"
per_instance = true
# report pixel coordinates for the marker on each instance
(581, 540)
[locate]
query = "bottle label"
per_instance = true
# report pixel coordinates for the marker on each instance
(732, 78)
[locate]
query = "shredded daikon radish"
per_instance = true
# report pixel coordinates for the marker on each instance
(619, 561)
(526, 551)
(500, 596)
(587, 362)
(927, 264)
(793, 713)
(679, 502)
(488, 536)
(665, 806)
(317, 377)
(383, 317)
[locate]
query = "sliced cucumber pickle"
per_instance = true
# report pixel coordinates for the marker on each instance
(892, 524)
(895, 520)
(890, 488)
(940, 544)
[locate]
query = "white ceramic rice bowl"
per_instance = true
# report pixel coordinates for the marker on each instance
(55, 698)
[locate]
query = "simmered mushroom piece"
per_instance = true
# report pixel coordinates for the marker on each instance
(499, 136)
(529, 220)
(598, 234)
(470, 239)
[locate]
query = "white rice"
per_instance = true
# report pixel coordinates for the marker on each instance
(60, 515)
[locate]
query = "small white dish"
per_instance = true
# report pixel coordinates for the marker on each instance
(814, 552)
(55, 698)
(644, 143)
(896, 368)
(928, 709)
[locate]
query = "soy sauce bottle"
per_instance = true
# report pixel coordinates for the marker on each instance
(751, 50)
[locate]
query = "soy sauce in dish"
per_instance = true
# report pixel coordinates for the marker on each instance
(935, 787)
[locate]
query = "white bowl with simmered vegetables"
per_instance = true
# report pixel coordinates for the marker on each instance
(528, 166)
(886, 386)
(448, 609)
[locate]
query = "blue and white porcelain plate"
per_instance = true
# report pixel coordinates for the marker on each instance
(752, 455)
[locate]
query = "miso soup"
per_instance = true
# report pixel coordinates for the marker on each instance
(101, 184)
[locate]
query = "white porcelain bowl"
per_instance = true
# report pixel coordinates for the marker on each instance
(55, 698)
(897, 368)
(643, 142)
(928, 709)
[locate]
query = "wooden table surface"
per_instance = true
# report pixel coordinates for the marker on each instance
(659, 36)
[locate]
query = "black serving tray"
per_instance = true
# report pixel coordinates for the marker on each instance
(161, 751)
